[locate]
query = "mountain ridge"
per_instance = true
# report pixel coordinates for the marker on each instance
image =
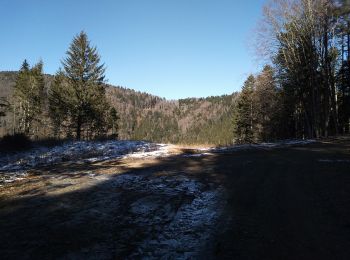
(145, 116)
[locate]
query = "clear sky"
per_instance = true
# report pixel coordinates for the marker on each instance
(170, 48)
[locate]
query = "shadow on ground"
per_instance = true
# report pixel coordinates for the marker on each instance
(290, 203)
(168, 208)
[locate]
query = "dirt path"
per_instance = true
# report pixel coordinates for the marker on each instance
(289, 203)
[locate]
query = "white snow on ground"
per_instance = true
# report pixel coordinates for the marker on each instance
(14, 166)
(14, 176)
(104, 150)
(161, 150)
(82, 150)
(175, 231)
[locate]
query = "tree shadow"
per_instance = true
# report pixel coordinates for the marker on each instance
(277, 204)
(51, 217)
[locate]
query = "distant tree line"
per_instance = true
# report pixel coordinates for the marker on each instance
(191, 120)
(140, 116)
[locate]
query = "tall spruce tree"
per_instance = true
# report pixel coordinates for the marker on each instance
(244, 113)
(77, 98)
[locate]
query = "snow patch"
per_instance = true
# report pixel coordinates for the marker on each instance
(163, 150)
(177, 230)
(14, 176)
(80, 150)
(187, 230)
(13, 166)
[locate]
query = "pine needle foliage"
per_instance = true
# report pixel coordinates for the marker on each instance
(78, 104)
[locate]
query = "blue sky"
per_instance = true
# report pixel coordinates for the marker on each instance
(170, 48)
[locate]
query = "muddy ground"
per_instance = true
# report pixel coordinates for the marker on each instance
(281, 203)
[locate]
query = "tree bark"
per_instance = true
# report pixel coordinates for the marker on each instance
(78, 130)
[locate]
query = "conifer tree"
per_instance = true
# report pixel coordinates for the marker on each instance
(29, 96)
(113, 121)
(77, 98)
(58, 104)
(244, 113)
(267, 105)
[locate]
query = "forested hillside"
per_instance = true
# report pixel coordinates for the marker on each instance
(147, 117)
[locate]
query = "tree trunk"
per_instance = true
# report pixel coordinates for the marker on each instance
(348, 34)
(78, 129)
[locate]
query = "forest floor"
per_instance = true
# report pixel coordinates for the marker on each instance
(268, 203)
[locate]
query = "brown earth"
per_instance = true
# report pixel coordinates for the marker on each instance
(285, 203)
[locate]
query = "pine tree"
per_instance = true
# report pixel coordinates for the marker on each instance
(29, 96)
(113, 121)
(58, 104)
(244, 113)
(77, 98)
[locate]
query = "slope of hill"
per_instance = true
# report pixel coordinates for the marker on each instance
(147, 117)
